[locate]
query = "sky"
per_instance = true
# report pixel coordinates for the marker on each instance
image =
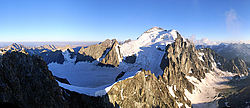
(97, 20)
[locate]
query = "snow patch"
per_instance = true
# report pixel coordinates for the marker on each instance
(226, 103)
(174, 87)
(179, 104)
(186, 106)
(170, 89)
(118, 53)
(200, 56)
(190, 71)
(121, 94)
(104, 55)
(219, 63)
(67, 58)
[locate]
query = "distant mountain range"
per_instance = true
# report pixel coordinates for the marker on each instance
(59, 44)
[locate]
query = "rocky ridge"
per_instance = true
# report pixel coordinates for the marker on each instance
(235, 65)
(231, 51)
(26, 82)
(49, 53)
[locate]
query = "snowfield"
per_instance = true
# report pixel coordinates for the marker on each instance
(96, 91)
(84, 74)
(206, 92)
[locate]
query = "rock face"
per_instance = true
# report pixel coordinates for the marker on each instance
(144, 90)
(107, 52)
(181, 59)
(26, 81)
(62, 80)
(52, 56)
(50, 47)
(238, 97)
(16, 47)
(49, 53)
(71, 52)
(119, 76)
(235, 65)
(113, 57)
(130, 59)
(232, 51)
(96, 51)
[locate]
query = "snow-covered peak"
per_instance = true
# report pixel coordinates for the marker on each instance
(173, 33)
(153, 36)
(149, 48)
(153, 29)
(157, 34)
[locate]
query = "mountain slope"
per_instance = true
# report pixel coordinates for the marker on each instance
(26, 82)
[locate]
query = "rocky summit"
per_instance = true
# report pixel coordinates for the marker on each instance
(113, 56)
(107, 52)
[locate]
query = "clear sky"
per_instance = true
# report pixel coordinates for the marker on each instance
(91, 20)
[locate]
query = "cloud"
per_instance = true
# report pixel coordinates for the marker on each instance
(232, 22)
(191, 38)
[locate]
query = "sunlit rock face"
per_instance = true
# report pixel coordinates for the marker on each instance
(107, 53)
(238, 66)
(113, 57)
(181, 59)
(95, 51)
(144, 90)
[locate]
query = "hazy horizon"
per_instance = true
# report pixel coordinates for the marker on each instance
(92, 20)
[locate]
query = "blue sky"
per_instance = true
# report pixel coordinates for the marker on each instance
(96, 20)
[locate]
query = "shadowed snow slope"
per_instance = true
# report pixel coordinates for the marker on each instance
(85, 74)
